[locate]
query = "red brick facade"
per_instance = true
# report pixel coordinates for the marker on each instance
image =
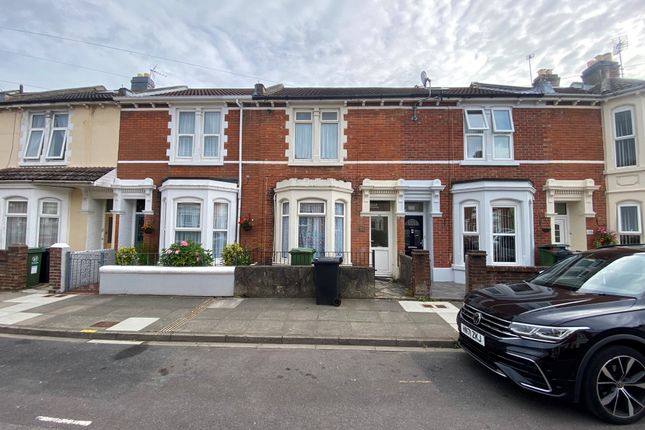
(13, 268)
(545, 136)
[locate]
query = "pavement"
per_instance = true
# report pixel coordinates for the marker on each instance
(375, 322)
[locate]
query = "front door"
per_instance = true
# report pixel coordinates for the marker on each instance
(380, 244)
(561, 230)
(413, 233)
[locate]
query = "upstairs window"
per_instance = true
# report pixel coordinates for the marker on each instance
(488, 134)
(315, 136)
(629, 224)
(624, 137)
(47, 137)
(197, 137)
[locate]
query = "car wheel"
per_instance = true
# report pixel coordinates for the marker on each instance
(614, 385)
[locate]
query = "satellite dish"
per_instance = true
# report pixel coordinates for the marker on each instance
(425, 80)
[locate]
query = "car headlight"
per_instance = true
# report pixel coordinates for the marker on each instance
(546, 333)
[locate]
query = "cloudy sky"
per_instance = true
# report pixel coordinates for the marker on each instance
(68, 43)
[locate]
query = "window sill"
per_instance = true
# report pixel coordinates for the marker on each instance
(489, 163)
(316, 163)
(218, 162)
(43, 163)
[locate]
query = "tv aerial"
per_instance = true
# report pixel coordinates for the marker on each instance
(620, 44)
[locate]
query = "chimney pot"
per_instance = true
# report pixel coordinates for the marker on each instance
(601, 68)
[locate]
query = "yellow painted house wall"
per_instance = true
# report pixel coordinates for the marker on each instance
(10, 123)
(624, 184)
(93, 138)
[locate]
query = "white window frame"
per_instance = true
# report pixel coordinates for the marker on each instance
(42, 136)
(188, 229)
(24, 215)
(205, 135)
(41, 214)
(340, 218)
(622, 232)
(197, 157)
(316, 138)
(220, 230)
(43, 156)
(464, 232)
(51, 137)
(322, 215)
(284, 233)
(516, 212)
(629, 109)
(488, 132)
(191, 135)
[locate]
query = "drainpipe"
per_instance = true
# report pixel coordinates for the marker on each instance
(239, 172)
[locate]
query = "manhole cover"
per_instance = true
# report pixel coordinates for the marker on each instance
(105, 324)
(427, 306)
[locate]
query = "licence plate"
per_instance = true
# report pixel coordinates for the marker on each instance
(468, 332)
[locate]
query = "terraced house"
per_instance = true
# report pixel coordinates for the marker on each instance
(367, 173)
(58, 150)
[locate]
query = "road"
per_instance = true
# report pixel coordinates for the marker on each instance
(75, 385)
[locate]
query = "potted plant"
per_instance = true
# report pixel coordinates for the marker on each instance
(604, 237)
(247, 223)
(147, 228)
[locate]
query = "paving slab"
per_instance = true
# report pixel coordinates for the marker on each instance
(373, 322)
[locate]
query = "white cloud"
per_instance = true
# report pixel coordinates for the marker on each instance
(316, 43)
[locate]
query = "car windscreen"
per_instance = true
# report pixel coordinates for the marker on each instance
(623, 276)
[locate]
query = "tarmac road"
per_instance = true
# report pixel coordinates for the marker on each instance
(73, 384)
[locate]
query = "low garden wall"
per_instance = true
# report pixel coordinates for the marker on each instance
(13, 268)
(405, 270)
(479, 275)
(298, 281)
(173, 281)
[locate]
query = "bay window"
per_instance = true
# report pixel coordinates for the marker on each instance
(624, 137)
(48, 223)
(312, 213)
(629, 224)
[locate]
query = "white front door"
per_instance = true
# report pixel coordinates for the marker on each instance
(561, 230)
(380, 244)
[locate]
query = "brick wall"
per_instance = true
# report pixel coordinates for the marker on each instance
(479, 275)
(420, 276)
(377, 135)
(13, 268)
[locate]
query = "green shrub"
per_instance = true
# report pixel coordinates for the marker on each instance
(127, 256)
(185, 254)
(235, 255)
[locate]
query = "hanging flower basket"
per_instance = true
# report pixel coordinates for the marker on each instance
(148, 229)
(247, 223)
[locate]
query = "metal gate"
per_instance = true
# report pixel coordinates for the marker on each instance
(82, 268)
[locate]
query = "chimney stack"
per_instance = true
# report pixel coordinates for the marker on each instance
(546, 79)
(259, 90)
(142, 82)
(599, 69)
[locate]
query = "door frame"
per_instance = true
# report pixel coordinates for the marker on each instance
(390, 240)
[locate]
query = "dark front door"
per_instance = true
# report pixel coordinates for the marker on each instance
(413, 233)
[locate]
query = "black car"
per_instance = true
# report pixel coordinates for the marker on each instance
(576, 331)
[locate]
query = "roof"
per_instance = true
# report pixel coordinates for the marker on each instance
(617, 85)
(318, 93)
(86, 94)
(197, 92)
(53, 174)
